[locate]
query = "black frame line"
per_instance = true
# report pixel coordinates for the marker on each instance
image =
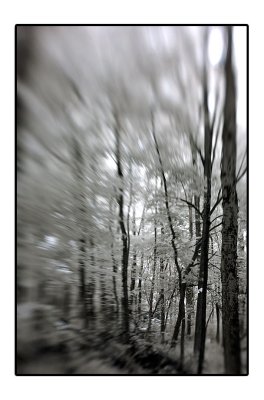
(247, 206)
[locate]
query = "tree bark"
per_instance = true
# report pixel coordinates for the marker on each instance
(231, 339)
(189, 307)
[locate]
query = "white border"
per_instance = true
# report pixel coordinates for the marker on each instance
(136, 11)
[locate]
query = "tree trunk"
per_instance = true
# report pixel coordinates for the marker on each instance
(182, 285)
(162, 298)
(114, 263)
(200, 326)
(190, 220)
(197, 218)
(182, 342)
(134, 262)
(189, 307)
(169, 305)
(141, 270)
(217, 323)
(140, 283)
(82, 291)
(181, 315)
(231, 339)
(91, 285)
(154, 263)
(114, 283)
(86, 290)
(189, 289)
(125, 250)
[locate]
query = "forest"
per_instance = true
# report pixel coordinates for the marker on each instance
(131, 218)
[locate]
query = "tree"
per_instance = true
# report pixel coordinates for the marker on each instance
(125, 250)
(200, 326)
(231, 339)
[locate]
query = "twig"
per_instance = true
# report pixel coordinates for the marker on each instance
(218, 216)
(216, 139)
(209, 317)
(218, 200)
(241, 176)
(192, 205)
(220, 223)
(242, 163)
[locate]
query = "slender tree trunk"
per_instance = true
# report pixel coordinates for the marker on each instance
(231, 339)
(170, 303)
(190, 220)
(200, 326)
(82, 292)
(141, 269)
(182, 341)
(125, 250)
(189, 289)
(181, 315)
(91, 285)
(241, 283)
(140, 283)
(217, 323)
(154, 263)
(114, 263)
(197, 224)
(162, 297)
(114, 282)
(189, 307)
(182, 285)
(85, 291)
(197, 218)
(104, 305)
(134, 262)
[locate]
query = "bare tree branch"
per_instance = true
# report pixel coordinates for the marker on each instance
(241, 164)
(166, 200)
(216, 138)
(215, 226)
(241, 175)
(218, 216)
(218, 200)
(192, 205)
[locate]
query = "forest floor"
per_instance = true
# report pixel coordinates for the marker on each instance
(112, 358)
(80, 353)
(63, 348)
